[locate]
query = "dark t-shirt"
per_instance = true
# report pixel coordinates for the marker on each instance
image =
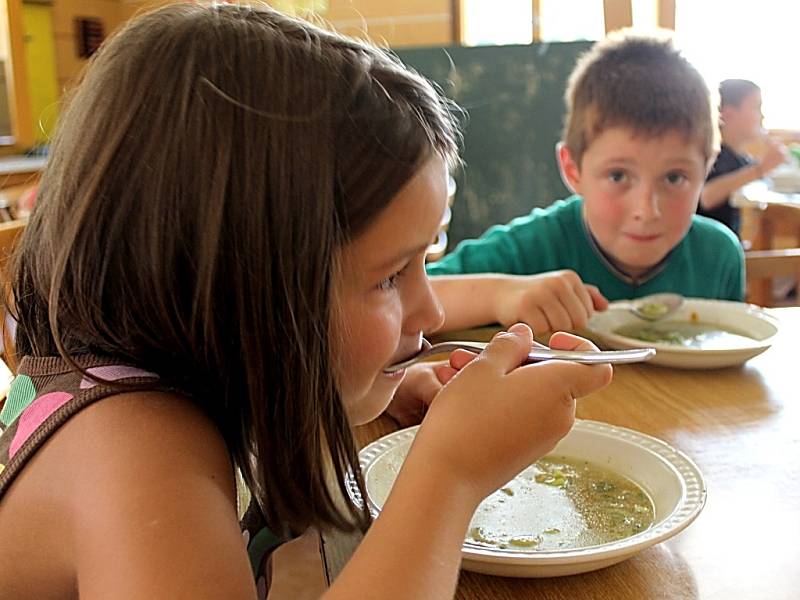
(727, 161)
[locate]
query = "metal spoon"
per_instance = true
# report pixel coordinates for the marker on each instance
(654, 307)
(536, 354)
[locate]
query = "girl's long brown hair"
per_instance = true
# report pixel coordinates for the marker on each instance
(208, 167)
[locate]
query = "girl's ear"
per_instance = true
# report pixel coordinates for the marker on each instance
(569, 169)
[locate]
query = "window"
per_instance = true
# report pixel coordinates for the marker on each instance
(569, 20)
(739, 39)
(498, 22)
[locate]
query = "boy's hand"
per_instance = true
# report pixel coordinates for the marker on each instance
(420, 386)
(548, 302)
(774, 155)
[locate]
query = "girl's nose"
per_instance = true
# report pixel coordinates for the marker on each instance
(427, 314)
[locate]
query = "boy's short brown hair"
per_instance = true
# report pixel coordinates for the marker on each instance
(640, 82)
(733, 91)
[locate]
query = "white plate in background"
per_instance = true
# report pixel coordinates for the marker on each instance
(747, 319)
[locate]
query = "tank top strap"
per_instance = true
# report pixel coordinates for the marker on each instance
(45, 394)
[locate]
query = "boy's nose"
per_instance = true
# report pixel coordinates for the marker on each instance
(646, 205)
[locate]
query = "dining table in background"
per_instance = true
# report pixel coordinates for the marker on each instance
(767, 216)
(741, 426)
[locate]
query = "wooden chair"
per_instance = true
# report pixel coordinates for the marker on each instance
(762, 266)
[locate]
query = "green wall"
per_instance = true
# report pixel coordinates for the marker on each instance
(514, 99)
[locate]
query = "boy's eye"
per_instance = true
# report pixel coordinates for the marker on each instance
(676, 178)
(617, 176)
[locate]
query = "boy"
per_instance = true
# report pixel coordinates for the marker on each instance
(638, 139)
(740, 123)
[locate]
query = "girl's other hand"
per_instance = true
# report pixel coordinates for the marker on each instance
(420, 386)
(496, 417)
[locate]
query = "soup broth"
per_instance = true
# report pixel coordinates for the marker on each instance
(560, 503)
(687, 334)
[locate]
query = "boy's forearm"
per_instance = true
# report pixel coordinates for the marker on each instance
(469, 300)
(716, 192)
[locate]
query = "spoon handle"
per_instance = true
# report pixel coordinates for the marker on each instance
(581, 356)
(589, 358)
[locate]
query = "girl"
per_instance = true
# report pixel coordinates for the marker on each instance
(227, 250)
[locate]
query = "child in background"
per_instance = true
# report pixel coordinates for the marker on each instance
(638, 139)
(740, 123)
(226, 252)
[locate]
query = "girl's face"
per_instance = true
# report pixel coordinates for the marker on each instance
(640, 193)
(383, 299)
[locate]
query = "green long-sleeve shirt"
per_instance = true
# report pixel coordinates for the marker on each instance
(707, 263)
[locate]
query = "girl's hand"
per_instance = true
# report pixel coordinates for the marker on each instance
(496, 417)
(420, 386)
(554, 301)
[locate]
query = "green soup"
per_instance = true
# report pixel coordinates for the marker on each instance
(687, 334)
(559, 503)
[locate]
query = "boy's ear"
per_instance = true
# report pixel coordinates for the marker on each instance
(569, 169)
(725, 113)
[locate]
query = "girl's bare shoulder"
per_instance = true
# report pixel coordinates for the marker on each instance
(143, 475)
(139, 437)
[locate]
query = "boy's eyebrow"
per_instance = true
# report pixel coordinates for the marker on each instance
(672, 161)
(618, 159)
(684, 161)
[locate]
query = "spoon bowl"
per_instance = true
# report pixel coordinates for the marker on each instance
(654, 307)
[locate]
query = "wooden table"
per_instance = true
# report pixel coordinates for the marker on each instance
(742, 427)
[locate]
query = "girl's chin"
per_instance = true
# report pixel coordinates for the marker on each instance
(370, 405)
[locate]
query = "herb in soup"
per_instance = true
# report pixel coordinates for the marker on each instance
(559, 503)
(704, 336)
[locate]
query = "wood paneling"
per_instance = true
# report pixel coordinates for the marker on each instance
(398, 35)
(618, 14)
(397, 23)
(378, 9)
(65, 12)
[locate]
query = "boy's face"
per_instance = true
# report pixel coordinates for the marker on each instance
(640, 193)
(743, 121)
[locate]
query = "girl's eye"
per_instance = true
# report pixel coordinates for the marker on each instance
(675, 178)
(390, 282)
(617, 176)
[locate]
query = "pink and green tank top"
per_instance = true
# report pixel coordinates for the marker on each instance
(47, 392)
